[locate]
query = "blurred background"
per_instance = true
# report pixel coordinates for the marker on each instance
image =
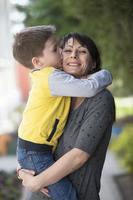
(110, 24)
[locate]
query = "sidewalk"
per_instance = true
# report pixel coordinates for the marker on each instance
(109, 189)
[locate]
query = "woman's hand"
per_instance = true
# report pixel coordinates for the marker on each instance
(29, 180)
(45, 191)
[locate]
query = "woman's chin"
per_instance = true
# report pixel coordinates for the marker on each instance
(72, 72)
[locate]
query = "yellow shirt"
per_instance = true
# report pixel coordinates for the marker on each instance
(45, 115)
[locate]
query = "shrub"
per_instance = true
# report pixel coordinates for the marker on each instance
(10, 186)
(123, 147)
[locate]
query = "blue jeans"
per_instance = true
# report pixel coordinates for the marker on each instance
(39, 161)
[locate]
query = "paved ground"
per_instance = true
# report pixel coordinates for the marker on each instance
(109, 190)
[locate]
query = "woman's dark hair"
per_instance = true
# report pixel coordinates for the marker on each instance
(87, 42)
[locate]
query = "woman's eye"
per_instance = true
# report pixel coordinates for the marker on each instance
(83, 51)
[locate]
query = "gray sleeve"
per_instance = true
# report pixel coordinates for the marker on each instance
(97, 122)
(63, 84)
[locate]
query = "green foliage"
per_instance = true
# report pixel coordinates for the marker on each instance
(124, 107)
(123, 147)
(123, 111)
(10, 186)
(109, 23)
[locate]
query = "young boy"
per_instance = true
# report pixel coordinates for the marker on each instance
(45, 115)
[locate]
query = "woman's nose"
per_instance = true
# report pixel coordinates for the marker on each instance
(74, 54)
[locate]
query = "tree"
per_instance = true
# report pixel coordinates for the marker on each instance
(109, 23)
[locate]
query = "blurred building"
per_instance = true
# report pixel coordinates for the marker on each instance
(14, 83)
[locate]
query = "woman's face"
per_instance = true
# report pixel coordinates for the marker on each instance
(76, 59)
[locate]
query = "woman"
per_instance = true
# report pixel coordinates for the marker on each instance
(83, 145)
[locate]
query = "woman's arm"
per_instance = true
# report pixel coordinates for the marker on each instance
(63, 84)
(68, 163)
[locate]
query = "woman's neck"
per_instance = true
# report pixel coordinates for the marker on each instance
(76, 102)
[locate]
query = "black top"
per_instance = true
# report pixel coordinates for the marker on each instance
(89, 129)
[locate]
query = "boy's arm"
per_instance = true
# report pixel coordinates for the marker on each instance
(63, 84)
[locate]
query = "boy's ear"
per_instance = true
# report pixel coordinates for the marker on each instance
(35, 61)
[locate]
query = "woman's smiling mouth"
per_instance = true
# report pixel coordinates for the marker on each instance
(73, 64)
